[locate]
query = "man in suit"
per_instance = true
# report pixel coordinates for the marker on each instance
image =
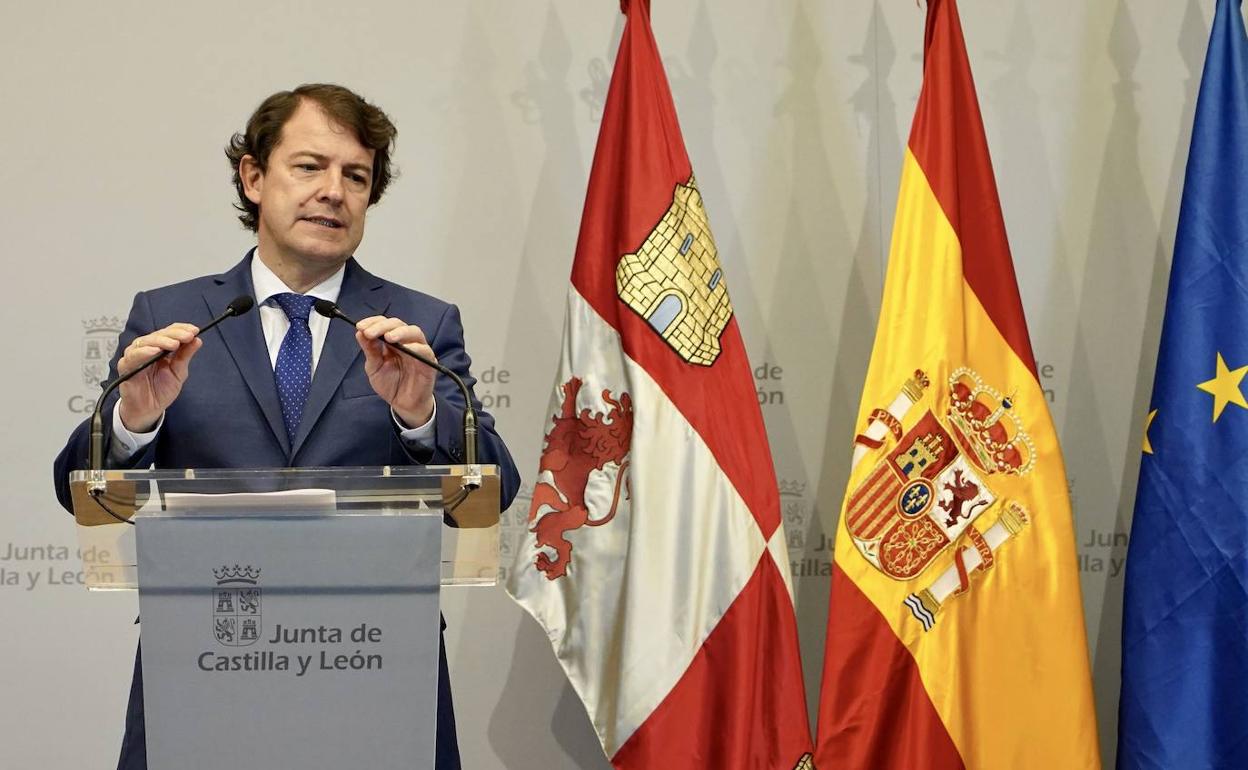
(284, 387)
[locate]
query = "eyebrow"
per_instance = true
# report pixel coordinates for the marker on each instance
(324, 158)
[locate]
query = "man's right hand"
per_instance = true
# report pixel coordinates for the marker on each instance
(145, 398)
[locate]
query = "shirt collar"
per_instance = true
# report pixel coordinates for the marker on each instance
(266, 282)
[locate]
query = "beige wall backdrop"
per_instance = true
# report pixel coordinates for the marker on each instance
(113, 117)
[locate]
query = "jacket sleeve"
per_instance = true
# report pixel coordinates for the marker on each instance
(447, 341)
(74, 456)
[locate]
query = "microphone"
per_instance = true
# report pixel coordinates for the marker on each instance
(472, 479)
(95, 459)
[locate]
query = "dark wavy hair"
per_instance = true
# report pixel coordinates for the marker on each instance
(264, 129)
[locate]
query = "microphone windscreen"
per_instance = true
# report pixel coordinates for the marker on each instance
(241, 304)
(326, 308)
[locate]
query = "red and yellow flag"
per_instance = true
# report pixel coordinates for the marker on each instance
(955, 633)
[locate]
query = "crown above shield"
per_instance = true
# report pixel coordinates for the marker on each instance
(236, 574)
(793, 488)
(111, 324)
(987, 427)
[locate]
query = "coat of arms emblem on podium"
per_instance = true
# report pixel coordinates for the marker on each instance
(236, 605)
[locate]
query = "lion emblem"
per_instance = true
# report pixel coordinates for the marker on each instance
(577, 445)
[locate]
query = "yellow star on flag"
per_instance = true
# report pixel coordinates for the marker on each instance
(1148, 445)
(1224, 387)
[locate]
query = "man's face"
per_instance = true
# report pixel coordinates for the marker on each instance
(314, 193)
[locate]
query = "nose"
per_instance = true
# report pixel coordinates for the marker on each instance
(333, 187)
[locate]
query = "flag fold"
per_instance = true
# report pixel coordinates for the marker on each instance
(1185, 611)
(655, 559)
(955, 629)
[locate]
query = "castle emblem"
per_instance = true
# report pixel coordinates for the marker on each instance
(930, 494)
(675, 283)
(236, 606)
(99, 343)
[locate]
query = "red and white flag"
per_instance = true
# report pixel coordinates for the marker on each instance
(655, 558)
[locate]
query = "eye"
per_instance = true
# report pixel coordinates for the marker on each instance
(306, 166)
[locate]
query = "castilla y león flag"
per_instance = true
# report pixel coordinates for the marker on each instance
(655, 558)
(955, 633)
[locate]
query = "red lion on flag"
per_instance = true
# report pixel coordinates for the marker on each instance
(578, 444)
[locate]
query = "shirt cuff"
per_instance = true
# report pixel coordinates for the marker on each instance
(125, 443)
(424, 436)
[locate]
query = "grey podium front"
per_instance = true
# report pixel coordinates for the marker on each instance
(290, 617)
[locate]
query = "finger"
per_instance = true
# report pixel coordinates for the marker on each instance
(142, 352)
(423, 351)
(373, 355)
(159, 340)
(408, 333)
(365, 323)
(182, 331)
(378, 327)
(136, 357)
(185, 352)
(180, 361)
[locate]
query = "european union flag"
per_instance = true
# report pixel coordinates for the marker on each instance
(1184, 697)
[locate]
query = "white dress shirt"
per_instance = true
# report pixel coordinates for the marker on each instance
(125, 443)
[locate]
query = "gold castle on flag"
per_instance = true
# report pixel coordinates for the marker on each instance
(674, 280)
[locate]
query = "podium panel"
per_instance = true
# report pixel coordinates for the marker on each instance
(291, 641)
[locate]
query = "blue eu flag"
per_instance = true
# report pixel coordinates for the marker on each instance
(1184, 697)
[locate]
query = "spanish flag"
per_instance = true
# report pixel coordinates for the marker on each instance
(955, 634)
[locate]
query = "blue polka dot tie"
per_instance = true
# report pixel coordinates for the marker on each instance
(293, 370)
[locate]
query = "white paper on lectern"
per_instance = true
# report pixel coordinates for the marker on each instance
(257, 503)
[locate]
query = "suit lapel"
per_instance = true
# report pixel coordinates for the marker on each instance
(362, 295)
(244, 338)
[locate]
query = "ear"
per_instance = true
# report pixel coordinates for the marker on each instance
(252, 176)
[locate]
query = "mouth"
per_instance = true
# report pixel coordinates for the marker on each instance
(328, 222)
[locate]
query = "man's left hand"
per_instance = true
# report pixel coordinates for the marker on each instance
(403, 382)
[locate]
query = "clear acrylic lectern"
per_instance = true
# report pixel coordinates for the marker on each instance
(290, 616)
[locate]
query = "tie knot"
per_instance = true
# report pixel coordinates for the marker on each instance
(295, 306)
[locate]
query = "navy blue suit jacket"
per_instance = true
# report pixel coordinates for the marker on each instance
(228, 415)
